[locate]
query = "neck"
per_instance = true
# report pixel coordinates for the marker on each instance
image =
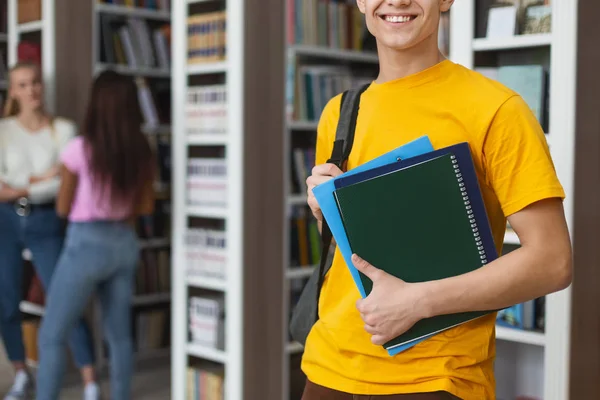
(32, 117)
(396, 64)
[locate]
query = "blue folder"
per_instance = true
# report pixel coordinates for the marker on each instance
(324, 196)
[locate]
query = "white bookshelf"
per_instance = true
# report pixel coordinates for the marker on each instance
(232, 358)
(151, 300)
(531, 363)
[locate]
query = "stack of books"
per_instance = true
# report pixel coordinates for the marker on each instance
(416, 213)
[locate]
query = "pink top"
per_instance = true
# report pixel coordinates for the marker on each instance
(89, 204)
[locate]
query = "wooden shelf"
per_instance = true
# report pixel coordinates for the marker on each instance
(157, 130)
(218, 285)
(303, 125)
(201, 139)
(29, 27)
(207, 353)
(294, 348)
(296, 200)
(512, 42)
(133, 11)
(520, 336)
(510, 237)
(150, 299)
(154, 243)
(217, 67)
(135, 71)
(31, 308)
(299, 272)
(207, 212)
(331, 53)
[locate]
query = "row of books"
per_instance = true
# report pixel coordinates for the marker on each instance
(207, 37)
(513, 17)
(206, 253)
(312, 86)
(205, 383)
(162, 148)
(152, 329)
(206, 109)
(333, 23)
(159, 5)
(207, 320)
(134, 42)
(529, 316)
(303, 160)
(305, 240)
(155, 101)
(530, 81)
(154, 272)
(207, 182)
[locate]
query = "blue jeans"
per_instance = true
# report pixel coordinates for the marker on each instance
(98, 256)
(41, 232)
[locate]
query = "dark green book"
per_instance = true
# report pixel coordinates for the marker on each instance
(420, 219)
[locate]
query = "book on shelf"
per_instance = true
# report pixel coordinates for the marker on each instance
(156, 225)
(154, 272)
(207, 182)
(134, 42)
(151, 329)
(528, 316)
(206, 109)
(154, 97)
(529, 81)
(303, 161)
(205, 383)
(206, 253)
(207, 320)
(207, 37)
(158, 5)
(314, 85)
(305, 239)
(336, 24)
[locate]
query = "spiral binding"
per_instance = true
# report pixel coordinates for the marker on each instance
(469, 208)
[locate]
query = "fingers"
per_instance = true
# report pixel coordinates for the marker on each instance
(363, 266)
(330, 170)
(379, 340)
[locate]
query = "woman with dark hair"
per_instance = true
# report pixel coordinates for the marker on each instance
(107, 182)
(31, 140)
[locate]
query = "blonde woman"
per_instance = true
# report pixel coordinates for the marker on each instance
(30, 145)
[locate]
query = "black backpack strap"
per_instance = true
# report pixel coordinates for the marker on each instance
(342, 146)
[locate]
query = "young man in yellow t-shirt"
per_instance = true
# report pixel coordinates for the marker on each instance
(419, 93)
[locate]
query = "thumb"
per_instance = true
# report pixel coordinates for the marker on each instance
(363, 266)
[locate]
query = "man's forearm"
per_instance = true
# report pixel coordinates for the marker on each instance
(522, 275)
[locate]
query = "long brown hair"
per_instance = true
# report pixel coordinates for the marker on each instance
(120, 155)
(11, 107)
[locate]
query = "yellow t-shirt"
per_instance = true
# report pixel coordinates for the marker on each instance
(450, 104)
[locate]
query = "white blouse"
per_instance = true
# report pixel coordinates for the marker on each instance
(24, 154)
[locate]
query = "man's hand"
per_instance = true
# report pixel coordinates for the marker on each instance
(320, 174)
(392, 307)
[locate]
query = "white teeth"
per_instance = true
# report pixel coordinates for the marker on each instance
(397, 18)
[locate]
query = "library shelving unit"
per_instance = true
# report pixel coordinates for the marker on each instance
(69, 35)
(532, 363)
(249, 214)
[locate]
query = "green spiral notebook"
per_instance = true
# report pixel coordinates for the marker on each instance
(421, 222)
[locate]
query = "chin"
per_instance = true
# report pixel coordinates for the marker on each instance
(399, 43)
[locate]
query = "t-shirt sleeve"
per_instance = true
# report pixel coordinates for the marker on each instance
(72, 155)
(326, 130)
(518, 164)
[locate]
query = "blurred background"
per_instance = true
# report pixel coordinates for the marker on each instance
(231, 92)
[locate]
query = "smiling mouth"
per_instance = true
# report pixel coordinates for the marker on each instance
(397, 19)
